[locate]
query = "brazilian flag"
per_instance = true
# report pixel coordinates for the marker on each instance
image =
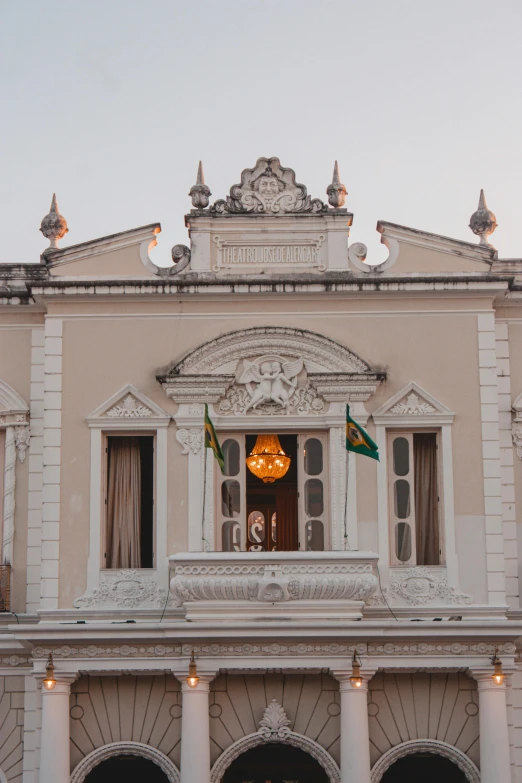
(211, 441)
(358, 440)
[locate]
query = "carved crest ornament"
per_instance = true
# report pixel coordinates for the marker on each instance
(268, 188)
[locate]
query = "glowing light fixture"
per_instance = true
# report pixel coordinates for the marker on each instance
(356, 678)
(49, 681)
(192, 678)
(267, 460)
(498, 675)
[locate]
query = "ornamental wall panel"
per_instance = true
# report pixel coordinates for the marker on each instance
(11, 727)
(143, 709)
(403, 707)
(238, 703)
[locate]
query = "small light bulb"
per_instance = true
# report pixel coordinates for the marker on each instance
(49, 682)
(192, 679)
(498, 675)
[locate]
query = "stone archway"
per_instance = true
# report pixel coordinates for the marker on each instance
(436, 747)
(291, 738)
(139, 749)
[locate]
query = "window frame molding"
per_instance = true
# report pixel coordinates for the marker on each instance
(14, 421)
(400, 412)
(189, 420)
(113, 418)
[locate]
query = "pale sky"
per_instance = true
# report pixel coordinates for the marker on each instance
(111, 103)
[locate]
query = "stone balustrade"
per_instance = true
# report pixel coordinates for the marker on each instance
(231, 586)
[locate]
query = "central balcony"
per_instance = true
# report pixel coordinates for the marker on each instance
(242, 586)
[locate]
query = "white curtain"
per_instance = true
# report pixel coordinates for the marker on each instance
(124, 504)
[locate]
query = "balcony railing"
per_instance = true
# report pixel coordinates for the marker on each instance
(5, 588)
(215, 586)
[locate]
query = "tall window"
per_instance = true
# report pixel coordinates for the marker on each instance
(286, 515)
(414, 498)
(2, 468)
(129, 502)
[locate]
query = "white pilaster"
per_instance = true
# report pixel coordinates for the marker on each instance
(507, 471)
(51, 463)
(487, 360)
(55, 756)
(495, 763)
(9, 495)
(355, 739)
(34, 515)
(195, 732)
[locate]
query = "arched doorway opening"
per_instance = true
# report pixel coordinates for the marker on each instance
(427, 767)
(129, 761)
(131, 769)
(275, 762)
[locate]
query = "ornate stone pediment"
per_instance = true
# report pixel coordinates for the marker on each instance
(269, 369)
(127, 404)
(413, 404)
(268, 188)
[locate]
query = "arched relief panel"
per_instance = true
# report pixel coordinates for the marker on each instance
(238, 703)
(405, 707)
(144, 709)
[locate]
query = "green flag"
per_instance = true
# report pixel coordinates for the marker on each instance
(358, 439)
(212, 442)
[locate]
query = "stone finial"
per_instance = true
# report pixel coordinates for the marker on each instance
(336, 191)
(483, 222)
(54, 225)
(200, 193)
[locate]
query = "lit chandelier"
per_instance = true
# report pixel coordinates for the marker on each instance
(267, 460)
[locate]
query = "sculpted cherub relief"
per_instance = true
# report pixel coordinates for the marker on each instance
(270, 381)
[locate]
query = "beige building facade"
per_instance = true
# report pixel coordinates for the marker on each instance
(126, 548)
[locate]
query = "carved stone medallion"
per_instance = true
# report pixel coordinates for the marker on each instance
(268, 188)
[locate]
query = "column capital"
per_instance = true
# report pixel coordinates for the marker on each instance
(205, 678)
(62, 687)
(484, 680)
(343, 678)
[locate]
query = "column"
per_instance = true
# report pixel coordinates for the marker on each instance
(355, 738)
(55, 755)
(195, 731)
(495, 762)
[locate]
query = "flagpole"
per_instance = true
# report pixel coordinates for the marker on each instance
(346, 543)
(203, 539)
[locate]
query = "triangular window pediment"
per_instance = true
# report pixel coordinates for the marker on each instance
(413, 404)
(127, 405)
